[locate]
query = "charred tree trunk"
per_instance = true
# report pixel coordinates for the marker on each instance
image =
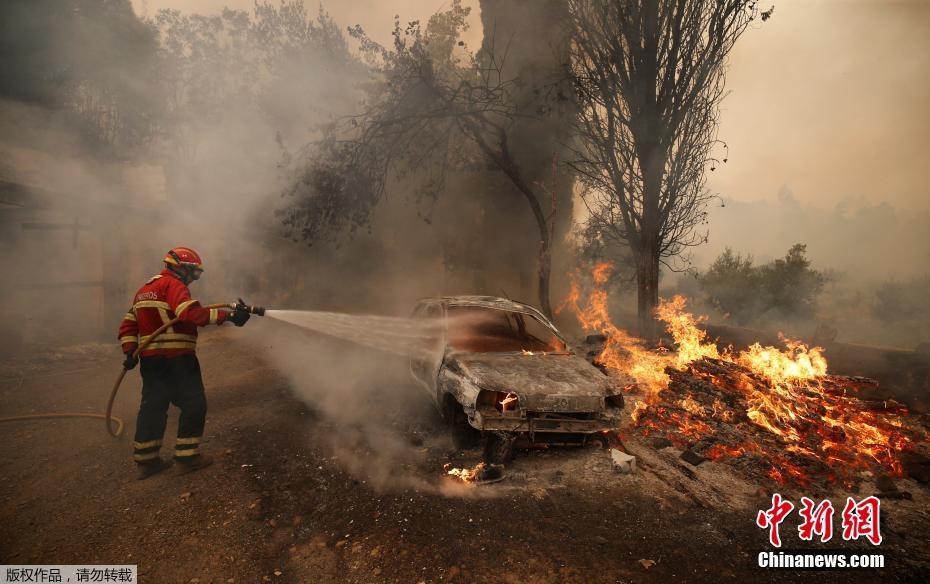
(652, 158)
(647, 262)
(532, 43)
(647, 298)
(545, 270)
(650, 76)
(502, 157)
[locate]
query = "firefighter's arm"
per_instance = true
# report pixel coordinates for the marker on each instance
(129, 333)
(188, 310)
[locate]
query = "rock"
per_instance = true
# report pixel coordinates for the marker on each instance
(600, 539)
(341, 543)
(376, 572)
(647, 563)
(692, 457)
(916, 466)
(622, 461)
(887, 489)
(896, 495)
(885, 484)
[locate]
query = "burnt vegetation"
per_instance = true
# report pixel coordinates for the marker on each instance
(650, 77)
(431, 109)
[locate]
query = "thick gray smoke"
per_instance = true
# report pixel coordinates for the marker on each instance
(874, 259)
(354, 372)
(865, 238)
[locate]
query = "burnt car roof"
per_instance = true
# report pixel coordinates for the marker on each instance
(487, 302)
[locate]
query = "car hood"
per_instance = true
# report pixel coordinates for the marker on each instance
(532, 375)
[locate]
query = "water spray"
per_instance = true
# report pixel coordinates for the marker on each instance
(406, 337)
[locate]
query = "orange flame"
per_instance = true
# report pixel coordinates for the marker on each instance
(622, 351)
(785, 393)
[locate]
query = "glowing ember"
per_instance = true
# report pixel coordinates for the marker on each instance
(770, 411)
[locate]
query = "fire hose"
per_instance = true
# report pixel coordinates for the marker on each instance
(108, 417)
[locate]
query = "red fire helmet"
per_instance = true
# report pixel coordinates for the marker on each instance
(184, 256)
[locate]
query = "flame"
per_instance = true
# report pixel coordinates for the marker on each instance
(780, 367)
(622, 352)
(469, 475)
(800, 420)
(509, 399)
(466, 475)
(684, 329)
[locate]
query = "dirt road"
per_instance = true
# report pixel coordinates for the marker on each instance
(278, 507)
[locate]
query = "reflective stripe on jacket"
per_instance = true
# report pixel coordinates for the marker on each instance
(162, 299)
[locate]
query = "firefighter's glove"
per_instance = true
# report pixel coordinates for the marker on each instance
(239, 317)
(131, 361)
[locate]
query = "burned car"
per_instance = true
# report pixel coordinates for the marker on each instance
(501, 369)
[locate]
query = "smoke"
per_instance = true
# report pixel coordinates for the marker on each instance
(872, 256)
(120, 139)
(354, 372)
(178, 130)
(868, 241)
(830, 97)
(98, 184)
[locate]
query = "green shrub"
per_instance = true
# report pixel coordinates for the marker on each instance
(785, 288)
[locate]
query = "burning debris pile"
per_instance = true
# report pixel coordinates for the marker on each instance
(766, 411)
(796, 430)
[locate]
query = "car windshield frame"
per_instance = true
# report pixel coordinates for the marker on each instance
(539, 318)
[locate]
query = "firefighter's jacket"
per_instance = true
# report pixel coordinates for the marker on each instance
(160, 300)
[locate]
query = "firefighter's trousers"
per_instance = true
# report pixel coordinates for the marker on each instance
(170, 380)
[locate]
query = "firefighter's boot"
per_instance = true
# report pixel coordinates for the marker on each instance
(192, 463)
(151, 468)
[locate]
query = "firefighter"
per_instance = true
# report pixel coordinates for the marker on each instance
(170, 370)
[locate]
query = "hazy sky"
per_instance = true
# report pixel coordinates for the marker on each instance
(829, 97)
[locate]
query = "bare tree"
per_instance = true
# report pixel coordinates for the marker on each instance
(431, 108)
(650, 77)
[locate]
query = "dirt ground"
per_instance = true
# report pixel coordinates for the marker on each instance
(278, 506)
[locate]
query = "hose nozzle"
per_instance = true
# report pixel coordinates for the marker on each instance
(258, 310)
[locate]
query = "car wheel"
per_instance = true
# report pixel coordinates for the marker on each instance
(596, 441)
(463, 435)
(498, 447)
(602, 441)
